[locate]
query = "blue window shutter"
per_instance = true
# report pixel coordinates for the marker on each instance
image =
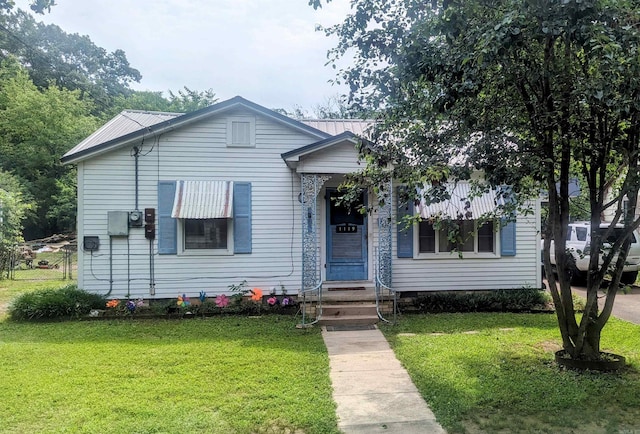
(405, 235)
(167, 226)
(242, 217)
(508, 238)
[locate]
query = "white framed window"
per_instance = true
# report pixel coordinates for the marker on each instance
(474, 240)
(206, 236)
(241, 131)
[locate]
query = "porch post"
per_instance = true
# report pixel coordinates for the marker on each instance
(311, 185)
(385, 235)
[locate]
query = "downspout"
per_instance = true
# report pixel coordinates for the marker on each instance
(110, 266)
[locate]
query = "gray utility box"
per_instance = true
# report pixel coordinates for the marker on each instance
(118, 225)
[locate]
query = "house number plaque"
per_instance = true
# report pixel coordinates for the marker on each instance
(346, 229)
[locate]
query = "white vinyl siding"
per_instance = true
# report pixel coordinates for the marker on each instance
(199, 152)
(339, 159)
(474, 272)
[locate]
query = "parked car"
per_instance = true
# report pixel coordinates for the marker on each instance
(578, 244)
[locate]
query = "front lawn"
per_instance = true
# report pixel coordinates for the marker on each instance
(215, 375)
(494, 373)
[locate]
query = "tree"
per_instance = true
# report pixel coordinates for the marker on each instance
(71, 61)
(184, 101)
(527, 91)
(36, 128)
(13, 208)
(38, 6)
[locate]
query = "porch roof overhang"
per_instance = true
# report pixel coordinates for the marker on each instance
(293, 158)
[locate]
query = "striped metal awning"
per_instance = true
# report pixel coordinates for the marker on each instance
(203, 200)
(460, 205)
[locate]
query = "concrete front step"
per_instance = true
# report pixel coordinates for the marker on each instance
(349, 320)
(348, 314)
(336, 310)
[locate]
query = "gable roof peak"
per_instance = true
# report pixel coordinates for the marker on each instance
(130, 126)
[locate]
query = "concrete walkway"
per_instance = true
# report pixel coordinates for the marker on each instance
(373, 391)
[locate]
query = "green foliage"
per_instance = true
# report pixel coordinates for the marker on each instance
(58, 303)
(70, 61)
(36, 129)
(513, 300)
(38, 6)
(64, 203)
(184, 101)
(13, 209)
(528, 93)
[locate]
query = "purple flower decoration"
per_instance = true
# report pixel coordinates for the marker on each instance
(131, 305)
(222, 300)
(286, 301)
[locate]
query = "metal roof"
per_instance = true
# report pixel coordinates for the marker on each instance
(114, 133)
(203, 200)
(460, 205)
(126, 122)
(361, 128)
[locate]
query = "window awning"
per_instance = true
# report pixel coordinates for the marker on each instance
(459, 206)
(203, 200)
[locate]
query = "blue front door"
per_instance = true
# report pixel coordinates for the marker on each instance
(346, 239)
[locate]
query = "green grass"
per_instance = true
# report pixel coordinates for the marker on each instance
(217, 375)
(27, 281)
(494, 373)
(480, 373)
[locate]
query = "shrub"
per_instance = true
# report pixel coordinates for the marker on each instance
(66, 302)
(518, 300)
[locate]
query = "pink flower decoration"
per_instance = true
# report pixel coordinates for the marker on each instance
(272, 300)
(222, 300)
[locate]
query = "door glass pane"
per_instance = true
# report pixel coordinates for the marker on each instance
(341, 213)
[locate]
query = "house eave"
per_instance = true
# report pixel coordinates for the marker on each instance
(172, 124)
(295, 154)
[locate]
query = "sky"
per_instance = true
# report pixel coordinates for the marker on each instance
(267, 51)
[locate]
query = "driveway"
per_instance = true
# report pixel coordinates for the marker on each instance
(626, 306)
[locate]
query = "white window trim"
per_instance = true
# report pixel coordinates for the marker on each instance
(454, 255)
(252, 131)
(205, 252)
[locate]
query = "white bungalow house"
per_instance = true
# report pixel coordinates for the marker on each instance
(181, 203)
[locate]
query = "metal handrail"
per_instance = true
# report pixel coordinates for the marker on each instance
(378, 288)
(318, 288)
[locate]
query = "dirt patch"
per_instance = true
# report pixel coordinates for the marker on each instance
(549, 346)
